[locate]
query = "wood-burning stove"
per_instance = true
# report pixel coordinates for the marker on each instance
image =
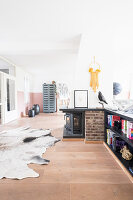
(74, 126)
(69, 124)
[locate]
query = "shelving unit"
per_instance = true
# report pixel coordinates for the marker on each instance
(119, 133)
(49, 98)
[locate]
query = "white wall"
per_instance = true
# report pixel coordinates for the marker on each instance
(106, 28)
(59, 67)
(100, 46)
(123, 60)
(23, 96)
(20, 75)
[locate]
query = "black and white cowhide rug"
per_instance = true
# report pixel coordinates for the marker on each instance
(20, 147)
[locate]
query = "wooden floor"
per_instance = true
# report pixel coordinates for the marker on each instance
(77, 171)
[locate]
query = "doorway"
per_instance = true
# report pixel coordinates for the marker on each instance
(0, 98)
(8, 98)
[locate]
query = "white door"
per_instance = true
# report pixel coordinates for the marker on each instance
(1, 99)
(10, 98)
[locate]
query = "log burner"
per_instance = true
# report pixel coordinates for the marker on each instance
(74, 126)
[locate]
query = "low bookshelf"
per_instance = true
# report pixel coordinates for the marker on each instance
(120, 135)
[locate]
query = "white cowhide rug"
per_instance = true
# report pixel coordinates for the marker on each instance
(20, 147)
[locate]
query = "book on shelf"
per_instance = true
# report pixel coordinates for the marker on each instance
(131, 134)
(114, 141)
(126, 126)
(110, 135)
(131, 169)
(112, 119)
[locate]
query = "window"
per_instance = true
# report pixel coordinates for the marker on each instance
(125, 81)
(10, 95)
(7, 67)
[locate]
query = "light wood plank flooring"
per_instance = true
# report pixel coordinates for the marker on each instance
(77, 171)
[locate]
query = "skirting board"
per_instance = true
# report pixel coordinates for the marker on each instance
(93, 142)
(82, 139)
(72, 139)
(120, 164)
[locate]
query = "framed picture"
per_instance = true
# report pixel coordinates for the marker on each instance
(80, 98)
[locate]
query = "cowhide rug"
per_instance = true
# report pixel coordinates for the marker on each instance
(20, 147)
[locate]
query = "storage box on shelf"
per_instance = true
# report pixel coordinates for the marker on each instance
(118, 133)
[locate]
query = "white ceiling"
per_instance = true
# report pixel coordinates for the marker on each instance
(50, 24)
(31, 27)
(40, 24)
(50, 60)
